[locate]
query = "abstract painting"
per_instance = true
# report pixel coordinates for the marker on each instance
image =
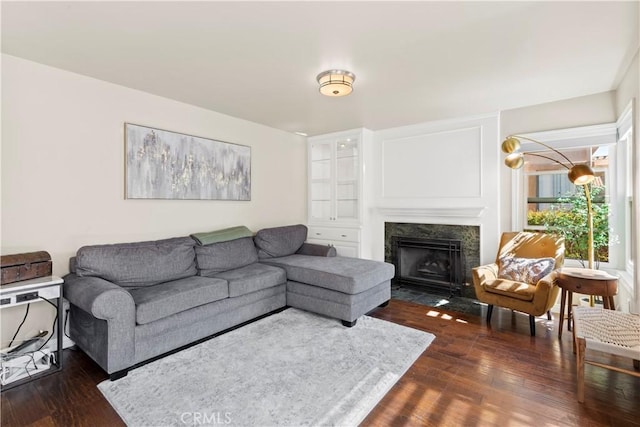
(167, 165)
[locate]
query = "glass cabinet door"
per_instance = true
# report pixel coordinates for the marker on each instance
(321, 178)
(347, 179)
(334, 173)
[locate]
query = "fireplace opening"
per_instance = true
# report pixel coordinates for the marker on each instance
(434, 263)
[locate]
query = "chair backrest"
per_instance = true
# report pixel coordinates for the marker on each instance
(526, 244)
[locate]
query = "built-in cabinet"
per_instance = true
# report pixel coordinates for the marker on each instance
(335, 190)
(345, 240)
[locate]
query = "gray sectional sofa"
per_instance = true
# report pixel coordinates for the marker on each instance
(133, 302)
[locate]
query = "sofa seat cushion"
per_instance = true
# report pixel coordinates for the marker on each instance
(342, 274)
(140, 263)
(252, 278)
(164, 299)
(518, 290)
(218, 257)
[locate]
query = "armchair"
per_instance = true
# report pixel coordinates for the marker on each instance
(534, 298)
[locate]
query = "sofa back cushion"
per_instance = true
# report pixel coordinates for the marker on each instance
(223, 256)
(280, 241)
(139, 264)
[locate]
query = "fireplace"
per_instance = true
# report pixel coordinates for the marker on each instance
(433, 257)
(435, 263)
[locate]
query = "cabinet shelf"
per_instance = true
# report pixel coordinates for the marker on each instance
(335, 180)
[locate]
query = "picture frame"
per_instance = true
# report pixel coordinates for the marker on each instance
(162, 164)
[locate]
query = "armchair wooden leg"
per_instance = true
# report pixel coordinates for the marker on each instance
(489, 312)
(532, 325)
(549, 316)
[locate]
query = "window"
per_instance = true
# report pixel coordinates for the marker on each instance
(554, 203)
(548, 201)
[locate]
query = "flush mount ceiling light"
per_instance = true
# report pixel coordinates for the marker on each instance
(336, 82)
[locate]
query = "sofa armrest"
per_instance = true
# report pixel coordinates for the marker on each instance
(547, 288)
(546, 293)
(103, 321)
(99, 297)
(317, 250)
(548, 281)
(484, 272)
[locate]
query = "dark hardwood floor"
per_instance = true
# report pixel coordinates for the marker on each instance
(471, 375)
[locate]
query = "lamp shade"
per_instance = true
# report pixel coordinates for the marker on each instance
(510, 145)
(514, 160)
(336, 82)
(581, 174)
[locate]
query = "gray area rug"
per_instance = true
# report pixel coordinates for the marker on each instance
(293, 368)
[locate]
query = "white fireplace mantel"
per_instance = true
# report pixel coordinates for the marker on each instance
(443, 212)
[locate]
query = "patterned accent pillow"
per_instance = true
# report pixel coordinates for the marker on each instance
(527, 270)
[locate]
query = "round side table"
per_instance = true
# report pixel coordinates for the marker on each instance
(588, 282)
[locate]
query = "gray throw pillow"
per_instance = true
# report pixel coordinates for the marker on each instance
(218, 257)
(280, 241)
(140, 263)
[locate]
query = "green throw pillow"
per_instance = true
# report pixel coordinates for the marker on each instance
(223, 235)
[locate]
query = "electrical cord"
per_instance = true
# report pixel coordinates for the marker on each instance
(26, 313)
(53, 327)
(66, 319)
(49, 302)
(31, 354)
(53, 330)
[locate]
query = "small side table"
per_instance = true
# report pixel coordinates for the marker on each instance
(588, 282)
(34, 290)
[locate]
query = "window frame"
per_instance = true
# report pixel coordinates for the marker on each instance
(629, 195)
(560, 139)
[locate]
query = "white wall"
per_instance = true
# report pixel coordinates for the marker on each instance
(441, 172)
(63, 167)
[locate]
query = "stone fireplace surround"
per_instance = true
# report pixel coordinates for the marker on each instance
(468, 234)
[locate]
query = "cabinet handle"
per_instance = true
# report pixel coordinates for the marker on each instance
(343, 235)
(318, 234)
(578, 286)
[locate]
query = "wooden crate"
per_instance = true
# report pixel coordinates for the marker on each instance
(30, 265)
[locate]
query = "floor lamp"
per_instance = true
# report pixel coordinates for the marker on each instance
(578, 175)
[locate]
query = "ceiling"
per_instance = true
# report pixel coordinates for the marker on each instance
(413, 61)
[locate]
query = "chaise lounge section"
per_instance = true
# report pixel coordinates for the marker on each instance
(343, 288)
